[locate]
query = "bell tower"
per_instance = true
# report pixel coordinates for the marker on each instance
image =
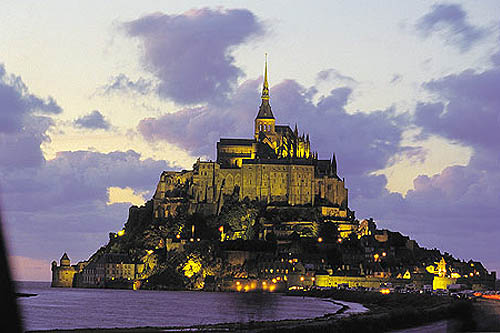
(265, 121)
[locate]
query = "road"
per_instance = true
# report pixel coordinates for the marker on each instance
(487, 315)
(486, 318)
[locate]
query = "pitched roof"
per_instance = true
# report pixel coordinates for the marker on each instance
(265, 111)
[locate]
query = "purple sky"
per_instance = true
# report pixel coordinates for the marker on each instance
(191, 86)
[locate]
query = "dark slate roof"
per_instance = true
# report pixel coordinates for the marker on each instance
(265, 111)
(283, 128)
(281, 161)
(115, 258)
(239, 142)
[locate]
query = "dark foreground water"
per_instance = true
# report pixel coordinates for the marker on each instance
(104, 308)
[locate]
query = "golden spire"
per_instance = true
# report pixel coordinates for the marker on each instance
(265, 88)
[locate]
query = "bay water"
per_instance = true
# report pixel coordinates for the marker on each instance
(69, 308)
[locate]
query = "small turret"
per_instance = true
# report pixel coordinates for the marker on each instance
(334, 165)
(65, 260)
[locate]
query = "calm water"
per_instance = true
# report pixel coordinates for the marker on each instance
(89, 308)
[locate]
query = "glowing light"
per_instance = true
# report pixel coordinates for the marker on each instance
(238, 283)
(320, 240)
(239, 288)
(455, 275)
(301, 278)
(149, 251)
(178, 236)
(264, 283)
(496, 297)
(376, 256)
(278, 278)
(272, 287)
(274, 280)
(384, 254)
(339, 240)
(191, 267)
(121, 232)
(221, 228)
(471, 274)
(313, 279)
(385, 291)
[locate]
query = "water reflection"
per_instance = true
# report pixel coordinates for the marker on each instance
(90, 308)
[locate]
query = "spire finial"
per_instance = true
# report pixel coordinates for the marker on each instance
(265, 88)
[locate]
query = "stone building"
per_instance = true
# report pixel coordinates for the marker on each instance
(109, 268)
(63, 275)
(276, 165)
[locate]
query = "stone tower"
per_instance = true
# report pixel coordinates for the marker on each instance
(62, 275)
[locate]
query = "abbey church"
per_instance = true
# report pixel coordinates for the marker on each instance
(277, 165)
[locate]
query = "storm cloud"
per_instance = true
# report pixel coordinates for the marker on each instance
(24, 120)
(190, 53)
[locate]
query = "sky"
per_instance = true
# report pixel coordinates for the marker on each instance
(97, 99)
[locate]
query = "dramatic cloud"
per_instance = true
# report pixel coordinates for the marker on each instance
(16, 103)
(470, 112)
(93, 120)
(190, 53)
(452, 20)
(23, 123)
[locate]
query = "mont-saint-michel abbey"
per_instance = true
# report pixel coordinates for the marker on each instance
(267, 215)
(276, 165)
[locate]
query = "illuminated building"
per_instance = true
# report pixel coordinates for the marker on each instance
(276, 165)
(63, 275)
